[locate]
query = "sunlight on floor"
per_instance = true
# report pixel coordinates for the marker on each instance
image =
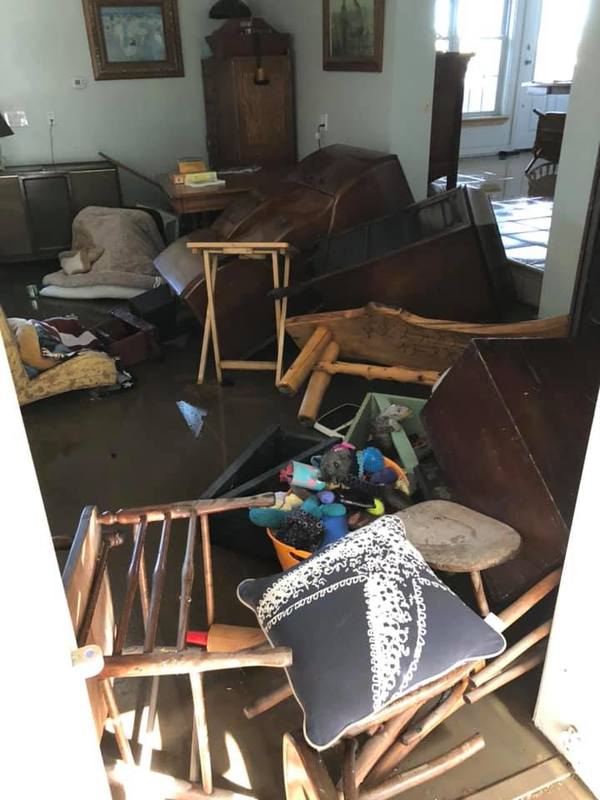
(237, 773)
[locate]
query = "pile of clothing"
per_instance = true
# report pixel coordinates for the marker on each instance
(44, 344)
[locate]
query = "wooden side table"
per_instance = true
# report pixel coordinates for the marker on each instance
(252, 251)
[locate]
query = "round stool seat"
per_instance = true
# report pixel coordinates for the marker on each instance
(452, 538)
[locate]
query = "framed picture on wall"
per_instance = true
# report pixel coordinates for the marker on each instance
(353, 35)
(134, 38)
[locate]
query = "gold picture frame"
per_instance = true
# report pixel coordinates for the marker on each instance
(134, 38)
(353, 32)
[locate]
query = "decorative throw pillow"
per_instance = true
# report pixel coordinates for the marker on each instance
(368, 622)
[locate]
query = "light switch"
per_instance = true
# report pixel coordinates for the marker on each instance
(16, 119)
(79, 83)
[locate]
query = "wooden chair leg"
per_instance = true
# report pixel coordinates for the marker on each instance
(412, 738)
(115, 716)
(426, 772)
(482, 603)
(349, 783)
(268, 701)
(201, 729)
(208, 571)
(380, 743)
(305, 774)
(536, 658)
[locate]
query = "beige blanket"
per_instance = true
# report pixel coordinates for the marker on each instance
(111, 247)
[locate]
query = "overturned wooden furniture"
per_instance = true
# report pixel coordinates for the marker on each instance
(330, 190)
(91, 605)
(271, 252)
(509, 426)
(373, 771)
(442, 258)
(398, 345)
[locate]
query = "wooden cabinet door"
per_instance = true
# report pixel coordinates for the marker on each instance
(15, 239)
(50, 212)
(94, 187)
(265, 113)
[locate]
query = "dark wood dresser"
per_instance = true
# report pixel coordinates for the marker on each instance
(249, 121)
(38, 203)
(509, 425)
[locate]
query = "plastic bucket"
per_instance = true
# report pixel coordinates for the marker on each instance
(289, 556)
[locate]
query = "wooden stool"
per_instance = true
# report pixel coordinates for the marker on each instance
(255, 251)
(452, 538)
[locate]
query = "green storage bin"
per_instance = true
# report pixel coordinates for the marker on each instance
(373, 405)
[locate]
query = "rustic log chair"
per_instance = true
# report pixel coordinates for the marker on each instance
(371, 772)
(90, 603)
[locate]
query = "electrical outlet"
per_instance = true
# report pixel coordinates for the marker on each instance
(51, 117)
(79, 83)
(324, 123)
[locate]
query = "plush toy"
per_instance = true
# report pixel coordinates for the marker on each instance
(339, 464)
(388, 422)
(28, 343)
(370, 460)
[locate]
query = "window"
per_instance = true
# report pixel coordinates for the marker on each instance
(560, 33)
(480, 27)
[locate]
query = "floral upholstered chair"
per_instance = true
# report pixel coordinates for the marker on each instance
(88, 370)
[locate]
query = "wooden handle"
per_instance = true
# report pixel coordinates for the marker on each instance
(233, 638)
(317, 386)
(310, 354)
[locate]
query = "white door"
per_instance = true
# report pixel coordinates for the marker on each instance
(49, 746)
(551, 36)
(568, 707)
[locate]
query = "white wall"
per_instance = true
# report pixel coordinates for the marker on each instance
(576, 174)
(388, 111)
(567, 708)
(147, 123)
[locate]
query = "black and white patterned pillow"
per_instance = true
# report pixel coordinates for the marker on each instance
(368, 622)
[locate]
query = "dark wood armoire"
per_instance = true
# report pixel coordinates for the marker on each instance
(249, 96)
(446, 116)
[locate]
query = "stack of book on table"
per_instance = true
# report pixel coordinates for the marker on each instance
(192, 172)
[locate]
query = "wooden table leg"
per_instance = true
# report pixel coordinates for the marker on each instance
(207, 332)
(276, 285)
(210, 277)
(282, 320)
